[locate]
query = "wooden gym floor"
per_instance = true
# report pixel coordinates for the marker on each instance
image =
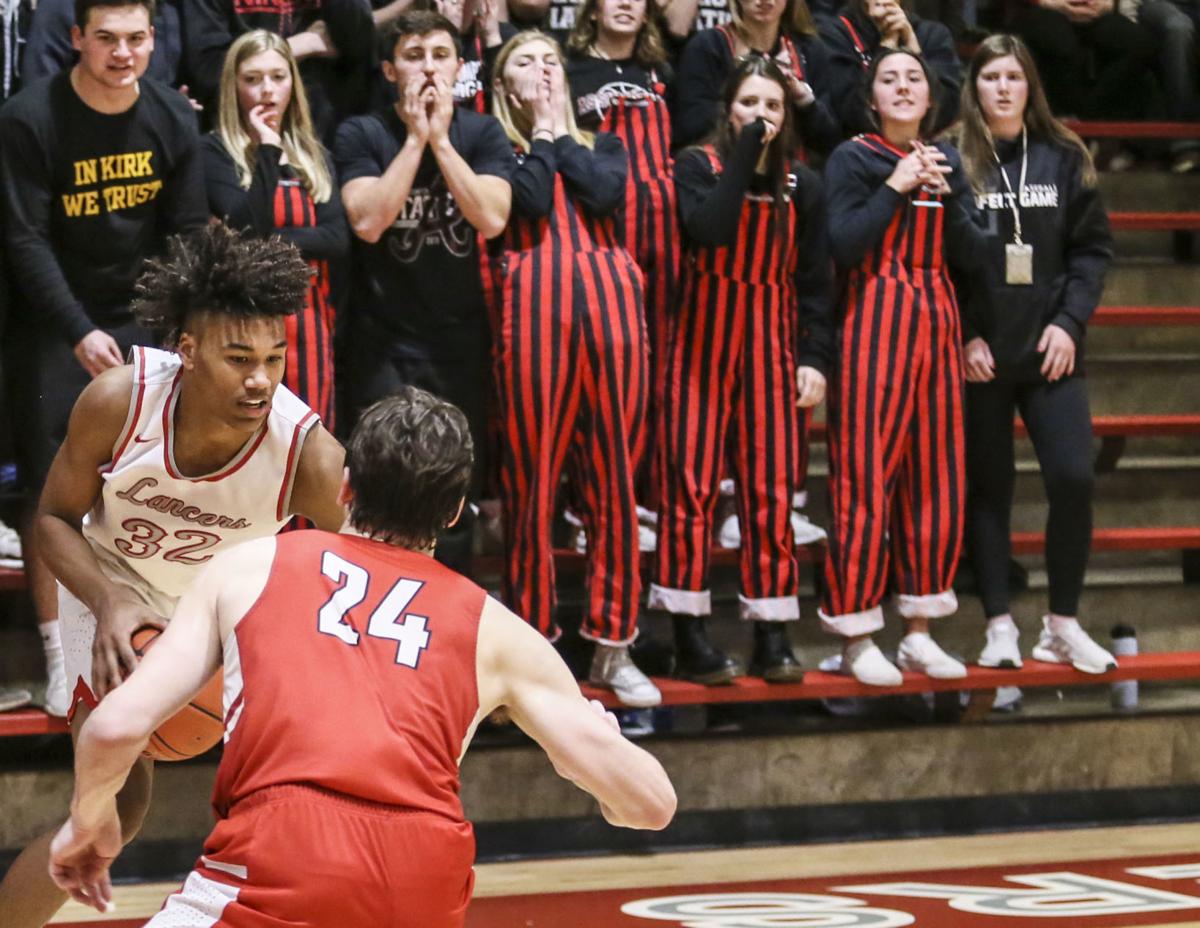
(1098, 878)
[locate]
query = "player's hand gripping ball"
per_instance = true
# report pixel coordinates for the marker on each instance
(197, 727)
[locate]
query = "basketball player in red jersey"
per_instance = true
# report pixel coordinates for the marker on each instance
(167, 461)
(338, 791)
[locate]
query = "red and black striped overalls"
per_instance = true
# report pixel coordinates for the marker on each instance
(649, 231)
(572, 387)
(309, 371)
(897, 483)
(802, 415)
(731, 386)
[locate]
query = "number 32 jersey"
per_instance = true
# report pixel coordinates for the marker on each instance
(152, 527)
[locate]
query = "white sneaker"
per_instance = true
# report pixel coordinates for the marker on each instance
(612, 667)
(647, 516)
(1002, 649)
(865, 662)
(14, 698)
(647, 538)
(1070, 644)
(805, 531)
(10, 543)
(919, 653)
(729, 535)
(57, 700)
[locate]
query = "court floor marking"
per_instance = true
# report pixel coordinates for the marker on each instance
(696, 868)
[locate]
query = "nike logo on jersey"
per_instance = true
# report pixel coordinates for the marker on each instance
(138, 440)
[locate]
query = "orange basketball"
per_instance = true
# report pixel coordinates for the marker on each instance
(196, 727)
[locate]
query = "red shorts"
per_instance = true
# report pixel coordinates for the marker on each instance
(297, 855)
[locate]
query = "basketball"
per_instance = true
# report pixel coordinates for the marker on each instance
(196, 727)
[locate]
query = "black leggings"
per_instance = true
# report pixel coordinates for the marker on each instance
(1060, 426)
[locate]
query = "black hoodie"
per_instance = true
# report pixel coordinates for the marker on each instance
(1066, 224)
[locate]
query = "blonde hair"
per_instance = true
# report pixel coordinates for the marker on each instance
(973, 136)
(516, 124)
(796, 20)
(304, 151)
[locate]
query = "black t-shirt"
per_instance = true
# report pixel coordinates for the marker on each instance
(421, 279)
(88, 196)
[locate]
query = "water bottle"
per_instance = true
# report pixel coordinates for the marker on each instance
(1124, 644)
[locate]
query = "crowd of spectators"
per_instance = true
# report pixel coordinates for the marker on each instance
(607, 241)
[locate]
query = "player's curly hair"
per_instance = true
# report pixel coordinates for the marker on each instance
(219, 270)
(410, 458)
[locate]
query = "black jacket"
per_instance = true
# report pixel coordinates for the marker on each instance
(1066, 224)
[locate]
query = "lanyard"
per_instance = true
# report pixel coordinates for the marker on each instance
(1016, 200)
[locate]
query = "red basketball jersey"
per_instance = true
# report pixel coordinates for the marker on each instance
(355, 672)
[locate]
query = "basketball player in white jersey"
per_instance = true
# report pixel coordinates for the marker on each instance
(326, 824)
(168, 461)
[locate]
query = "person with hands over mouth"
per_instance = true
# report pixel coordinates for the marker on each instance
(265, 170)
(571, 367)
(1025, 311)
(167, 461)
(900, 213)
(423, 182)
(861, 31)
(753, 340)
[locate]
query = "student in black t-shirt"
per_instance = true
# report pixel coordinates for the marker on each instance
(421, 182)
(98, 167)
(266, 170)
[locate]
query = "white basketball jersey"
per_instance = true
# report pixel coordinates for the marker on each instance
(152, 527)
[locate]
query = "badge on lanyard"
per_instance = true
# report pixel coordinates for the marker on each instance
(1018, 263)
(1018, 257)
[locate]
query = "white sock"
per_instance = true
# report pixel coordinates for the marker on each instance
(1002, 621)
(800, 499)
(52, 643)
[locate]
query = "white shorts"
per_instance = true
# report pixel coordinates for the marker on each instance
(77, 625)
(78, 628)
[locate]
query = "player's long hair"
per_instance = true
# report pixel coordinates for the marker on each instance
(779, 151)
(518, 125)
(974, 138)
(300, 143)
(649, 51)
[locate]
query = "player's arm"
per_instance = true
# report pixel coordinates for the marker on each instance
(179, 665)
(517, 668)
(72, 488)
(315, 494)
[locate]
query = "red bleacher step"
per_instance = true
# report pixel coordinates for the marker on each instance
(1146, 221)
(1134, 130)
(1164, 426)
(30, 722)
(1146, 315)
(1182, 665)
